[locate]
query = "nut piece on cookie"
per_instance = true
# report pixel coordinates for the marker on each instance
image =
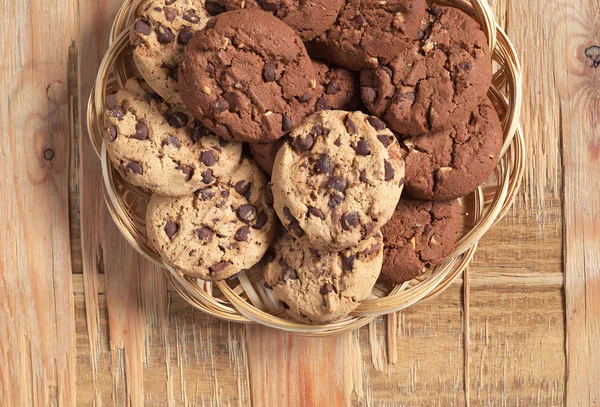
(418, 237)
(370, 32)
(337, 179)
(437, 81)
(452, 163)
(218, 231)
(318, 287)
(248, 77)
(159, 147)
(162, 30)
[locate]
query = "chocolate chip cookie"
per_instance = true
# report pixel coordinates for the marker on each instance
(437, 81)
(219, 230)
(248, 77)
(418, 237)
(339, 88)
(338, 178)
(308, 18)
(162, 29)
(368, 33)
(159, 147)
(318, 287)
(264, 154)
(454, 162)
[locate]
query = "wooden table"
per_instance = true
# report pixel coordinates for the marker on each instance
(84, 320)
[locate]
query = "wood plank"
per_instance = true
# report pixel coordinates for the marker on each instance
(37, 338)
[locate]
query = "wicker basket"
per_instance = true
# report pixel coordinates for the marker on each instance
(244, 299)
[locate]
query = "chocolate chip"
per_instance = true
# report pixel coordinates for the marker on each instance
(338, 183)
(142, 27)
(185, 35)
(467, 66)
(242, 234)
(204, 234)
(268, 257)
(349, 220)
(420, 35)
(169, 2)
(289, 274)
(362, 147)
(191, 16)
(210, 68)
(187, 170)
(208, 158)
(351, 126)
(222, 130)
(288, 214)
(164, 35)
(304, 98)
(150, 96)
(170, 13)
(401, 183)
(269, 72)
(286, 123)
(335, 200)
(135, 167)
(322, 104)
(199, 131)
(141, 131)
(385, 139)
(223, 142)
(363, 176)
(338, 142)
(261, 221)
(225, 193)
(112, 132)
(205, 194)
(389, 171)
(173, 70)
(373, 249)
(348, 262)
(323, 164)
(407, 95)
(207, 176)
(268, 5)
(304, 143)
(269, 195)
(360, 20)
(213, 8)
(320, 130)
(316, 212)
(247, 212)
(294, 227)
(388, 71)
(220, 105)
(116, 111)
(177, 119)
(327, 288)
(376, 123)
(242, 187)
(332, 88)
(368, 94)
(171, 229)
(220, 266)
(284, 305)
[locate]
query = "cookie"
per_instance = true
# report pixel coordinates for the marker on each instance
(248, 77)
(218, 231)
(437, 81)
(157, 146)
(162, 29)
(308, 18)
(264, 154)
(317, 286)
(418, 237)
(454, 162)
(368, 33)
(340, 88)
(338, 178)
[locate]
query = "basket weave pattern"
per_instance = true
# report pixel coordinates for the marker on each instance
(244, 299)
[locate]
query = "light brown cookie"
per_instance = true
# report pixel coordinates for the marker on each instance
(318, 287)
(338, 178)
(219, 230)
(157, 146)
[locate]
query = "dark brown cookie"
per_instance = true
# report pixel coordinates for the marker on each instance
(308, 18)
(437, 81)
(339, 88)
(418, 237)
(264, 154)
(370, 32)
(248, 77)
(454, 162)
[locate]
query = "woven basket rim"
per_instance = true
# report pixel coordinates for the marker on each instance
(489, 206)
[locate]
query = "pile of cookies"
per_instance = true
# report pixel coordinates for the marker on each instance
(284, 133)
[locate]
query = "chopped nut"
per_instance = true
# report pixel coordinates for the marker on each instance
(445, 169)
(241, 45)
(413, 242)
(375, 60)
(243, 4)
(268, 113)
(224, 42)
(206, 90)
(432, 240)
(491, 156)
(408, 143)
(383, 2)
(313, 83)
(398, 19)
(428, 46)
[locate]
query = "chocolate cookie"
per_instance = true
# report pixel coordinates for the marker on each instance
(264, 154)
(418, 237)
(338, 178)
(454, 162)
(339, 88)
(162, 29)
(308, 18)
(437, 81)
(219, 230)
(368, 33)
(157, 146)
(248, 77)
(318, 287)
